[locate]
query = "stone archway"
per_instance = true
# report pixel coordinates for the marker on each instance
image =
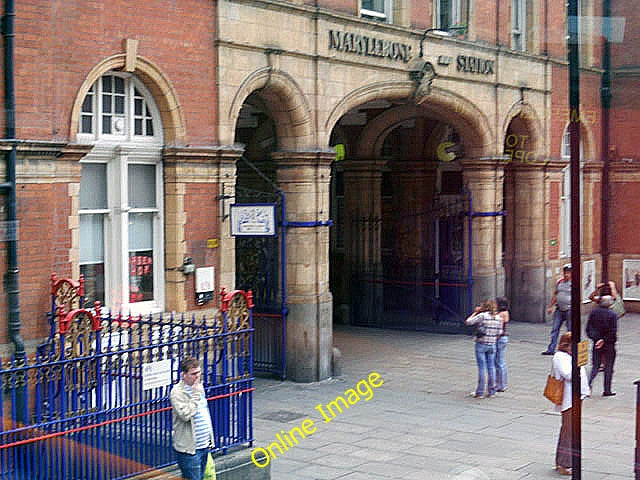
(286, 103)
(523, 231)
(156, 82)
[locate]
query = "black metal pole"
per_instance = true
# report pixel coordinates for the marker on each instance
(576, 277)
(605, 96)
(11, 279)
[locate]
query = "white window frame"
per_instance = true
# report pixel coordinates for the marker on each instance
(117, 152)
(455, 14)
(385, 16)
(565, 195)
(519, 25)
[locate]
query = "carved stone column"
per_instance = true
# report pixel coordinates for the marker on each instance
(526, 220)
(485, 179)
(192, 173)
(304, 178)
(363, 229)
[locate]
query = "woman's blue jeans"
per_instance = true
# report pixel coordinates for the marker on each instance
(501, 363)
(486, 359)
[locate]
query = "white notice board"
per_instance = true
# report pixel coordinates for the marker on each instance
(156, 374)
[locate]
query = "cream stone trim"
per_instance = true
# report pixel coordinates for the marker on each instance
(470, 122)
(156, 82)
(287, 103)
(532, 121)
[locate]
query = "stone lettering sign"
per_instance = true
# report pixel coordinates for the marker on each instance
(468, 64)
(368, 46)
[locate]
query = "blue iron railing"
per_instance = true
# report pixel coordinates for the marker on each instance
(87, 415)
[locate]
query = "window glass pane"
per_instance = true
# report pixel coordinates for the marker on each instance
(106, 103)
(91, 239)
(87, 125)
(106, 84)
(87, 104)
(93, 283)
(138, 127)
(140, 257)
(106, 124)
(140, 276)
(142, 186)
(373, 5)
(119, 106)
(150, 128)
(93, 186)
(137, 106)
(140, 231)
(119, 85)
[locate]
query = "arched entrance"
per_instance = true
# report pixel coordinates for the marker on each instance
(400, 253)
(279, 166)
(523, 232)
(258, 257)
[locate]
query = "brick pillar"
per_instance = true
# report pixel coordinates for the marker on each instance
(363, 229)
(484, 178)
(304, 179)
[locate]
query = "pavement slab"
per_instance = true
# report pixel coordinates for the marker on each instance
(420, 424)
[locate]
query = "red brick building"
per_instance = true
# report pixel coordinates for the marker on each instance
(134, 121)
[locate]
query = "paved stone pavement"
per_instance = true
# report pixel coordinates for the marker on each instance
(420, 424)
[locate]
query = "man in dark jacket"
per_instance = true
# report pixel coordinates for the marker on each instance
(602, 328)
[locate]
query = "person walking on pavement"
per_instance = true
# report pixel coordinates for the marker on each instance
(602, 328)
(489, 327)
(192, 430)
(562, 369)
(561, 299)
(501, 344)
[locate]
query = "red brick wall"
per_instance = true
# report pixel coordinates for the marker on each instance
(484, 20)
(590, 112)
(57, 44)
(201, 208)
(43, 247)
(623, 217)
(345, 6)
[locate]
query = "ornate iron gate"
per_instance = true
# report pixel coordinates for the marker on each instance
(259, 262)
(422, 279)
(80, 409)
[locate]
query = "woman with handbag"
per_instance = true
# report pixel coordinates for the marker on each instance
(561, 369)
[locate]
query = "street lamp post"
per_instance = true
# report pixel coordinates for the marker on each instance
(576, 277)
(443, 32)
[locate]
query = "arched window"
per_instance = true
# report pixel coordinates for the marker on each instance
(120, 200)
(565, 196)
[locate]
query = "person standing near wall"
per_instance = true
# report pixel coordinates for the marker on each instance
(501, 344)
(562, 370)
(561, 299)
(489, 328)
(602, 328)
(192, 430)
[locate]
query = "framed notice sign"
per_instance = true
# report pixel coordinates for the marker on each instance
(631, 279)
(253, 219)
(588, 279)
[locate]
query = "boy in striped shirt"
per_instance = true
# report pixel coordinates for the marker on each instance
(192, 429)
